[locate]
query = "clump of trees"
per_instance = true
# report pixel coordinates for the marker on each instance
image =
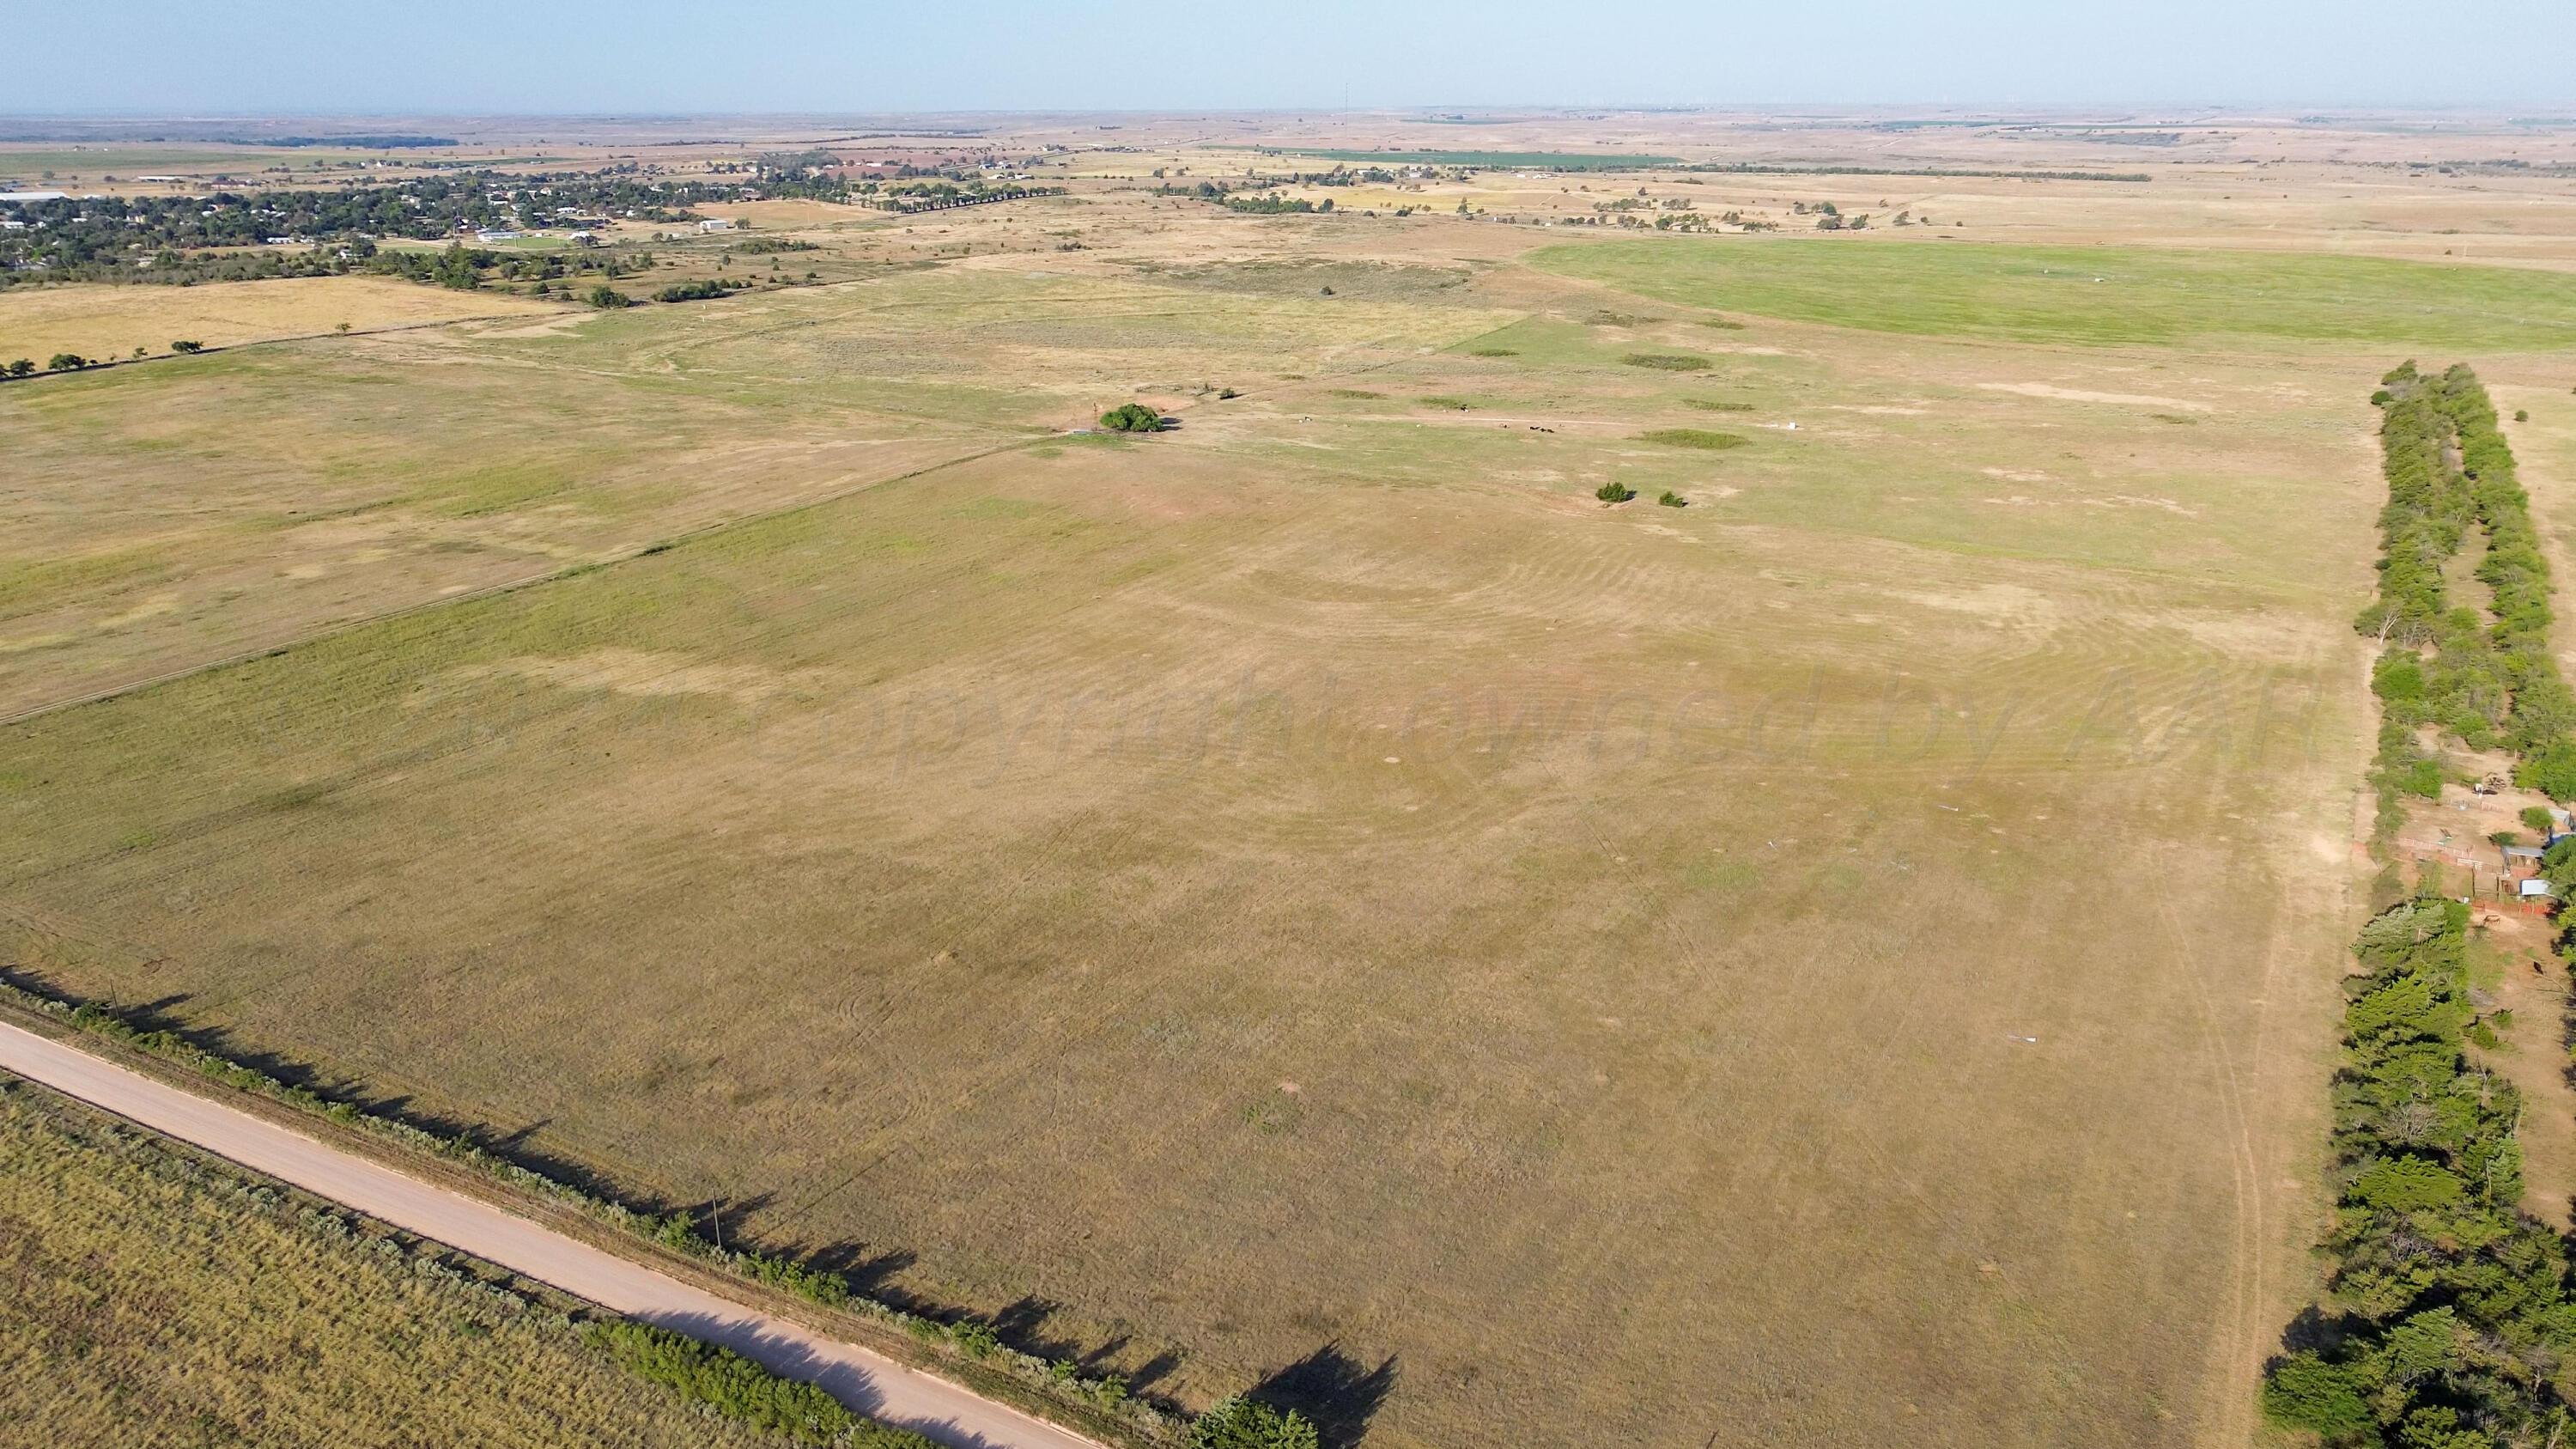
(1132, 418)
(1273, 203)
(185, 346)
(2451, 1325)
(698, 291)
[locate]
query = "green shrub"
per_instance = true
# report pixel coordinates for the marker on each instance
(1614, 491)
(2552, 771)
(1670, 499)
(1667, 361)
(607, 298)
(20, 367)
(2421, 777)
(2306, 1393)
(66, 362)
(1132, 418)
(1493, 352)
(1241, 1423)
(185, 345)
(697, 291)
(2536, 817)
(736, 1387)
(1713, 405)
(1453, 404)
(1699, 438)
(2521, 415)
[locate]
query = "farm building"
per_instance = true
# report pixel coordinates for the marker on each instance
(715, 223)
(2533, 888)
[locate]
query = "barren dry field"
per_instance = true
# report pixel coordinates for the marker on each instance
(1857, 950)
(113, 321)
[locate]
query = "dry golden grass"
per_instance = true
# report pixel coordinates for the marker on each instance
(104, 321)
(1855, 951)
(157, 1299)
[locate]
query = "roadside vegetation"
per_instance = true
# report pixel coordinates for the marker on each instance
(157, 1297)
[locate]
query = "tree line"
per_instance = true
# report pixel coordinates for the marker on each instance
(1236, 1423)
(2450, 1325)
(2487, 679)
(2450, 1322)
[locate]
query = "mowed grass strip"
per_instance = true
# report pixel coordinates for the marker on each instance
(1700, 438)
(2089, 294)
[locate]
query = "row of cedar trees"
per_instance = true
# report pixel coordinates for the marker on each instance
(2450, 1322)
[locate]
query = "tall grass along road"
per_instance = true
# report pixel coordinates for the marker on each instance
(867, 1382)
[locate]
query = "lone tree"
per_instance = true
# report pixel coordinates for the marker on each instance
(1132, 418)
(66, 361)
(184, 345)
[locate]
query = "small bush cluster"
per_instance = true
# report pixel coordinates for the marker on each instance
(1614, 491)
(1667, 361)
(738, 1388)
(697, 291)
(1241, 1423)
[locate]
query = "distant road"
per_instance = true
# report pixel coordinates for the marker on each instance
(868, 1382)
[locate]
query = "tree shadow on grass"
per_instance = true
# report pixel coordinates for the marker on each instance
(1330, 1388)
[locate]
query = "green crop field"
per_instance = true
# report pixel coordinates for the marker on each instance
(1313, 886)
(2097, 295)
(156, 1299)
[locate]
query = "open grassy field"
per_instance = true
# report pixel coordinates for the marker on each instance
(37, 322)
(160, 1300)
(1943, 287)
(1314, 886)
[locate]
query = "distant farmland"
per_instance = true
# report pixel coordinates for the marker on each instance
(1533, 160)
(1319, 896)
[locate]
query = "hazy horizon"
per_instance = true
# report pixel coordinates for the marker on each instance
(657, 58)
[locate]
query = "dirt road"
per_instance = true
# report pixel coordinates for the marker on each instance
(868, 1382)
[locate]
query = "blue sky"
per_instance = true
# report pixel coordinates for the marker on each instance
(556, 56)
